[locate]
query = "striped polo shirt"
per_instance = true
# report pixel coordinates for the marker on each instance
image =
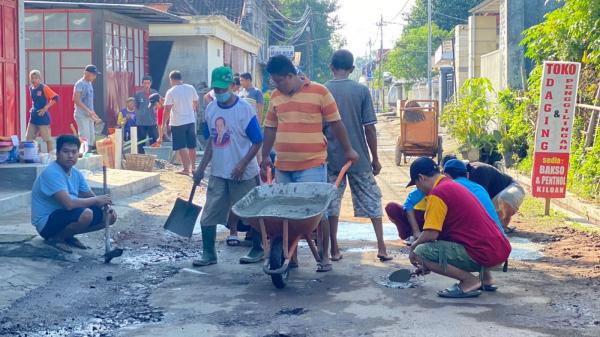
(456, 213)
(300, 143)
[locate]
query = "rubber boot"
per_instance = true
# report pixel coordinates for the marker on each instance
(209, 253)
(256, 253)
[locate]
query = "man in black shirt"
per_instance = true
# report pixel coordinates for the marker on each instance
(505, 192)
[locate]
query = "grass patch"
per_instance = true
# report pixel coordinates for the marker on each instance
(532, 210)
(586, 228)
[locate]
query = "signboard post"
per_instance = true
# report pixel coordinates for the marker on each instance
(554, 129)
(287, 51)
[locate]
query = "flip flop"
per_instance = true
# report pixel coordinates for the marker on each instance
(384, 258)
(62, 246)
(74, 242)
(509, 230)
(456, 292)
(232, 240)
(336, 258)
(323, 268)
(183, 173)
(489, 287)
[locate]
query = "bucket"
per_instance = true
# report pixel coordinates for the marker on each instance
(30, 151)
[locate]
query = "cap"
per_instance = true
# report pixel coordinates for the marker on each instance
(153, 99)
(221, 78)
(92, 69)
(130, 99)
(422, 165)
(455, 164)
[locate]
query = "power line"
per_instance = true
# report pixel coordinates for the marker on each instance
(450, 16)
(298, 21)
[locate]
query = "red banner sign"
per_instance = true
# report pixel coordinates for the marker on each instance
(554, 128)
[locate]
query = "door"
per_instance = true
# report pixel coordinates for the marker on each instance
(9, 68)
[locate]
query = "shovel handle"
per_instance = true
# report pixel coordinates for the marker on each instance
(104, 180)
(192, 193)
(342, 173)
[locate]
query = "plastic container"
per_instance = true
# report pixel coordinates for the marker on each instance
(30, 151)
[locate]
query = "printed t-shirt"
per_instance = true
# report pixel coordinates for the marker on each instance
(86, 91)
(300, 143)
(233, 129)
(459, 217)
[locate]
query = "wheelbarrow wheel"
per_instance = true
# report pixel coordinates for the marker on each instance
(276, 260)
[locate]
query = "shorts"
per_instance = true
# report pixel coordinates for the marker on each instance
(221, 195)
(366, 195)
(398, 216)
(317, 174)
(512, 195)
(184, 136)
(61, 218)
(33, 130)
(447, 253)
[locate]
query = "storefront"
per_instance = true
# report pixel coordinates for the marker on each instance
(62, 38)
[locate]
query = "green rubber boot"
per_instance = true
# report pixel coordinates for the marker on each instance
(256, 253)
(209, 253)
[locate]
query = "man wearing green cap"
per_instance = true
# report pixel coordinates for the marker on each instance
(233, 140)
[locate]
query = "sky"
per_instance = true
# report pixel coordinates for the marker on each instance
(359, 18)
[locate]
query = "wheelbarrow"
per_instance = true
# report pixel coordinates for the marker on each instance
(285, 214)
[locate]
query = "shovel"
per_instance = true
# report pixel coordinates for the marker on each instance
(183, 217)
(109, 253)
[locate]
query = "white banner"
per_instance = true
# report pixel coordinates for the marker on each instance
(288, 51)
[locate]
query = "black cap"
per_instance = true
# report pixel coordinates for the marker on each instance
(153, 99)
(422, 165)
(92, 69)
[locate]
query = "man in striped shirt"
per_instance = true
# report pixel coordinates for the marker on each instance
(294, 124)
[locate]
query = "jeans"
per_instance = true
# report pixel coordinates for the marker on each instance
(147, 131)
(316, 174)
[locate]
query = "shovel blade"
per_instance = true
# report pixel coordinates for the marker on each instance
(400, 276)
(183, 217)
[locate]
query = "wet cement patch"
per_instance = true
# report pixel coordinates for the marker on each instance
(525, 250)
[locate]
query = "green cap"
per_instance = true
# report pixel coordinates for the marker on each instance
(221, 78)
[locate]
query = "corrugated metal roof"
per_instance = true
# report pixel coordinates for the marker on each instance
(136, 11)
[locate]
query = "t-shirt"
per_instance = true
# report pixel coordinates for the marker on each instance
(40, 96)
(233, 129)
(300, 143)
(489, 177)
(146, 116)
(483, 198)
(456, 213)
(254, 97)
(415, 201)
(182, 98)
(86, 90)
(126, 123)
(356, 108)
(53, 180)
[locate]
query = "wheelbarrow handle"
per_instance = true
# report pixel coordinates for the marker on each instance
(342, 173)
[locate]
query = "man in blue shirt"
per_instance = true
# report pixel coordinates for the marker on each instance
(409, 217)
(457, 170)
(63, 205)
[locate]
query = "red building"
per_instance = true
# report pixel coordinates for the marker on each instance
(9, 68)
(62, 38)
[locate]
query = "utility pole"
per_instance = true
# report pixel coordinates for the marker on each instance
(309, 48)
(429, 88)
(380, 24)
(370, 66)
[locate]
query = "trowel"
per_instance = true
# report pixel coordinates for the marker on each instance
(109, 253)
(401, 275)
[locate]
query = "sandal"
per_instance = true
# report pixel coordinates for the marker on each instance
(509, 230)
(489, 287)
(456, 292)
(232, 240)
(60, 245)
(384, 258)
(323, 268)
(336, 258)
(74, 242)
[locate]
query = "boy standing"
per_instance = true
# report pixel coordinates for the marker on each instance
(356, 108)
(42, 98)
(234, 139)
(126, 118)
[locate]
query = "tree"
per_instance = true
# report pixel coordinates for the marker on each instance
(408, 59)
(321, 31)
(444, 13)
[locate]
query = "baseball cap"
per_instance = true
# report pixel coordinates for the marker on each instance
(153, 99)
(455, 164)
(92, 69)
(221, 78)
(421, 165)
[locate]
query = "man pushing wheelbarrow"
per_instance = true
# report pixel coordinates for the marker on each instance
(294, 124)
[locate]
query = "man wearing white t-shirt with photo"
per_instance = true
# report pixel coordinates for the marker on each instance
(180, 112)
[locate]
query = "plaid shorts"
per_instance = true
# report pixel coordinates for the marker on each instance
(366, 195)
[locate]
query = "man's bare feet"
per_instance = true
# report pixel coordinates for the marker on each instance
(335, 254)
(184, 173)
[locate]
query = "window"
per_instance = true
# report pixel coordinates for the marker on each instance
(58, 43)
(124, 50)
